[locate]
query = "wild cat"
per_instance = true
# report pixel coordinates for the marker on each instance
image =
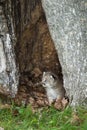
(53, 86)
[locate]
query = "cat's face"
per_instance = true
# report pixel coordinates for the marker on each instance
(47, 80)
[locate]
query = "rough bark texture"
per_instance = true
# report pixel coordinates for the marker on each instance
(35, 47)
(67, 20)
(8, 71)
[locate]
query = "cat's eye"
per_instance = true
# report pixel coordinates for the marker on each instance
(51, 76)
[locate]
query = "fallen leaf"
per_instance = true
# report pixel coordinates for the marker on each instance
(5, 106)
(58, 104)
(64, 102)
(15, 113)
(75, 119)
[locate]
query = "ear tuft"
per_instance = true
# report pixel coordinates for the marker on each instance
(54, 76)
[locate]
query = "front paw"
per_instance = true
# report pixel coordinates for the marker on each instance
(58, 104)
(51, 101)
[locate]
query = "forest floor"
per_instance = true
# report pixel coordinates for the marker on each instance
(48, 118)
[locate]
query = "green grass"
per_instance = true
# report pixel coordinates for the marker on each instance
(20, 118)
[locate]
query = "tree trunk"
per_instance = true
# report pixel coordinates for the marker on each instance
(8, 70)
(67, 20)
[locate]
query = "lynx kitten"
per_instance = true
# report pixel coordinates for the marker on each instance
(53, 86)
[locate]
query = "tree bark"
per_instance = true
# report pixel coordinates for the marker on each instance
(67, 21)
(8, 70)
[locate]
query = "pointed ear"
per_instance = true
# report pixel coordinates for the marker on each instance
(44, 73)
